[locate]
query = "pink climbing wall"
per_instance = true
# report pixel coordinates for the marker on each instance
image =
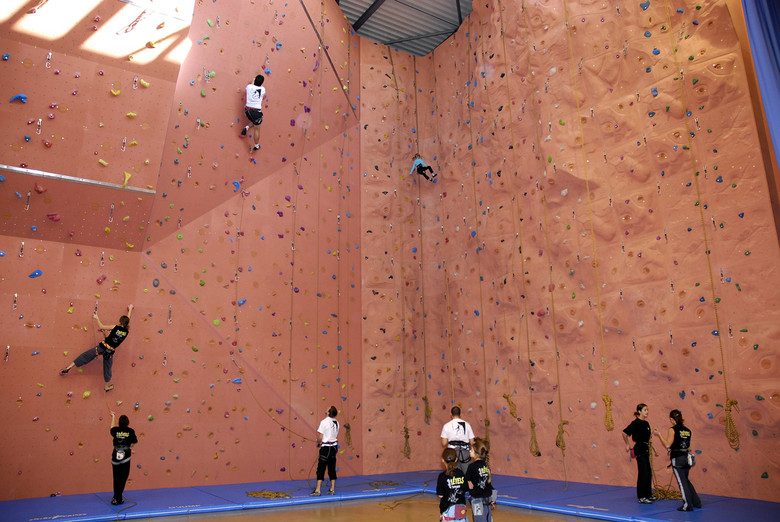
(600, 227)
(600, 234)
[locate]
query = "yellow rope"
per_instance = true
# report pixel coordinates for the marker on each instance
(267, 494)
(609, 422)
(402, 297)
(732, 435)
(407, 449)
(476, 230)
(427, 409)
(348, 434)
(559, 441)
(512, 407)
(533, 446)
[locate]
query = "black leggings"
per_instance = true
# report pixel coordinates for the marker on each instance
(421, 170)
(121, 472)
(327, 458)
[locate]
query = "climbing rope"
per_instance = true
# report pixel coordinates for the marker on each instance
(427, 409)
(732, 434)
(401, 295)
(533, 443)
(470, 75)
(609, 422)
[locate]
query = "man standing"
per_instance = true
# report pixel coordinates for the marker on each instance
(327, 442)
(457, 434)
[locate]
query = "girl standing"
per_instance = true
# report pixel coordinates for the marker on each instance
(479, 481)
(639, 431)
(678, 442)
(451, 488)
(124, 438)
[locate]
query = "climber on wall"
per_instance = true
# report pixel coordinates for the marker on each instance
(116, 335)
(420, 166)
(255, 92)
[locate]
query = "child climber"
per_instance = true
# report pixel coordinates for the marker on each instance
(451, 488)
(479, 482)
(421, 167)
(117, 334)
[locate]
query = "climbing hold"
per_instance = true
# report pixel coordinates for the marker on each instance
(19, 97)
(35, 274)
(6, 57)
(116, 92)
(131, 115)
(86, 394)
(144, 83)
(217, 322)
(103, 162)
(645, 5)
(127, 178)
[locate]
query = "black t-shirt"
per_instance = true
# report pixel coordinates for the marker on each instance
(639, 431)
(116, 336)
(682, 441)
(478, 474)
(123, 439)
(452, 490)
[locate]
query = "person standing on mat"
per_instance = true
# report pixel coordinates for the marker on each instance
(420, 166)
(255, 92)
(639, 431)
(451, 488)
(678, 442)
(124, 439)
(457, 434)
(479, 481)
(117, 334)
(327, 442)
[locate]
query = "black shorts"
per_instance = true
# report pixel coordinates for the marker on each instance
(254, 115)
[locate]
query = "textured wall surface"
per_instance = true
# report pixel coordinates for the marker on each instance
(599, 234)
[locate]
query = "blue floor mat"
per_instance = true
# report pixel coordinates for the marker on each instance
(595, 501)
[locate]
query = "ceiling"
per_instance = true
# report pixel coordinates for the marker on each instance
(414, 26)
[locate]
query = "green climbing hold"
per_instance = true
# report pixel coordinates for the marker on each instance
(202, 282)
(760, 398)
(695, 81)
(150, 418)
(549, 159)
(765, 475)
(747, 252)
(179, 236)
(194, 348)
(717, 299)
(755, 433)
(755, 347)
(217, 322)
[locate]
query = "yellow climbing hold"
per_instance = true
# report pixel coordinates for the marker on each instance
(131, 115)
(86, 394)
(144, 83)
(103, 162)
(107, 230)
(127, 178)
(150, 44)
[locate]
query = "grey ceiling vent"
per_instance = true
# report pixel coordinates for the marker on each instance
(414, 26)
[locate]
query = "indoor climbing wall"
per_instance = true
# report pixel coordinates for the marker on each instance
(599, 235)
(243, 268)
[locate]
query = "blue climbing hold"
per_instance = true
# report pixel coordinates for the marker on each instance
(645, 5)
(241, 302)
(35, 274)
(237, 186)
(6, 57)
(19, 97)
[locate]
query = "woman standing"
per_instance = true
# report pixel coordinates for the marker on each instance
(678, 442)
(124, 439)
(639, 431)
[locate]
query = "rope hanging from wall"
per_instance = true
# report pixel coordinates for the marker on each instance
(731, 432)
(470, 74)
(401, 295)
(427, 407)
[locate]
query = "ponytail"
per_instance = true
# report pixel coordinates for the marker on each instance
(450, 458)
(676, 416)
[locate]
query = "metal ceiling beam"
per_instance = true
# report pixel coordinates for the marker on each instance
(419, 37)
(365, 16)
(428, 13)
(460, 15)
